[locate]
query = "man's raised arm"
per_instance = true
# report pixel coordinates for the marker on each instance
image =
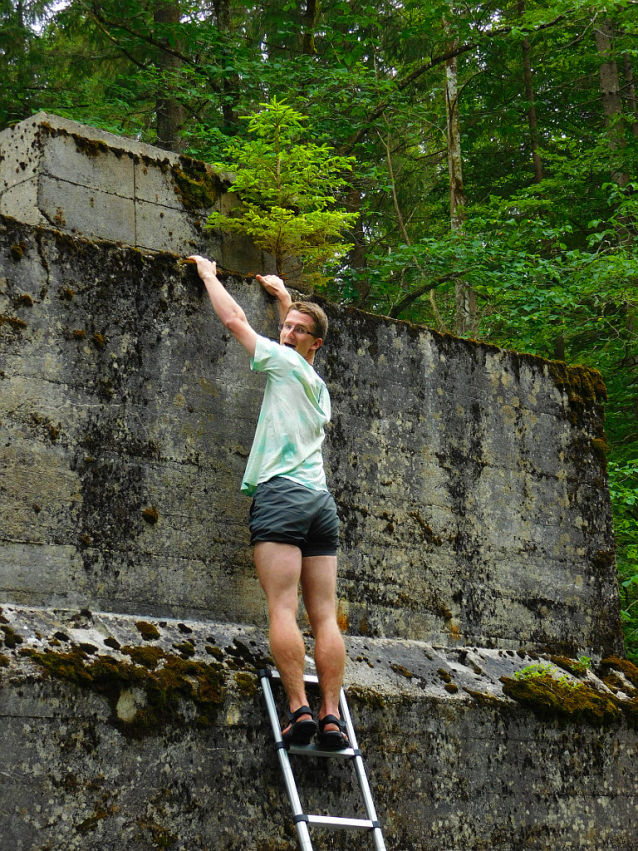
(275, 286)
(229, 312)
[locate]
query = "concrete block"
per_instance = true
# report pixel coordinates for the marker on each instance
(94, 213)
(86, 163)
(20, 201)
(160, 228)
(133, 734)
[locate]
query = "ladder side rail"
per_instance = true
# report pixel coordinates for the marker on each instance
(368, 801)
(286, 768)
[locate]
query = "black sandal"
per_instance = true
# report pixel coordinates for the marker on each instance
(333, 740)
(300, 732)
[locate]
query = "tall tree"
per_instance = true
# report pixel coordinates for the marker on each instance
(465, 296)
(612, 101)
(170, 111)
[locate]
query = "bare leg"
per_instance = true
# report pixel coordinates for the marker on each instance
(318, 582)
(279, 571)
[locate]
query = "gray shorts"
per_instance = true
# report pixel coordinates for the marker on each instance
(288, 513)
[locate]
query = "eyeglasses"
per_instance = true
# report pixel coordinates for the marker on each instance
(298, 329)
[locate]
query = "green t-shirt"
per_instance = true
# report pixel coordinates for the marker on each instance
(290, 430)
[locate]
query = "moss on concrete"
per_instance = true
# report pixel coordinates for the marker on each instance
(148, 631)
(628, 668)
(246, 684)
(147, 656)
(200, 683)
(552, 698)
(197, 188)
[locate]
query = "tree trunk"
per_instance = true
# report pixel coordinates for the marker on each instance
(357, 258)
(532, 120)
(310, 25)
(612, 101)
(630, 92)
(465, 297)
(170, 112)
(230, 82)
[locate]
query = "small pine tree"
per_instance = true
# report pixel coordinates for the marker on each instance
(287, 189)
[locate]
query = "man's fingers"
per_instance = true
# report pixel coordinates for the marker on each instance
(272, 283)
(202, 263)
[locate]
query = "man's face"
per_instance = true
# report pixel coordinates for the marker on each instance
(304, 343)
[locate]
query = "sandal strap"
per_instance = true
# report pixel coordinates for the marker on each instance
(303, 710)
(332, 719)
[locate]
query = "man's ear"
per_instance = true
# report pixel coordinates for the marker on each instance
(318, 343)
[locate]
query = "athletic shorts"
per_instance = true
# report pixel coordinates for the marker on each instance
(289, 513)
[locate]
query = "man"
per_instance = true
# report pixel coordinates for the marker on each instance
(293, 518)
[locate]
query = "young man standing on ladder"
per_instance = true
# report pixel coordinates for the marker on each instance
(293, 518)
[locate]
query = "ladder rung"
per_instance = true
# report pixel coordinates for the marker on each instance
(341, 823)
(314, 750)
(312, 679)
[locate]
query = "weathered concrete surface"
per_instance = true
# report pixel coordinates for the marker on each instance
(85, 181)
(470, 481)
(469, 770)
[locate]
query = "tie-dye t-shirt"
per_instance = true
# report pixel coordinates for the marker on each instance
(290, 430)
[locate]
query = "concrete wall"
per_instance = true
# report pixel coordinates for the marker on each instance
(476, 534)
(470, 480)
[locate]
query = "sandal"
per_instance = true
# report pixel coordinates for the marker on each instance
(333, 740)
(299, 732)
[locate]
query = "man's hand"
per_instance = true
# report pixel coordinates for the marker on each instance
(275, 286)
(205, 268)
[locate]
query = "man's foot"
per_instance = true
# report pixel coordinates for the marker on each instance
(301, 729)
(333, 739)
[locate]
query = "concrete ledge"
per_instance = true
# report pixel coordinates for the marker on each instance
(104, 747)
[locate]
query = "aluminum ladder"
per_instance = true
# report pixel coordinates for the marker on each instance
(303, 820)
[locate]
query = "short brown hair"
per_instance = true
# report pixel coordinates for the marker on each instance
(319, 318)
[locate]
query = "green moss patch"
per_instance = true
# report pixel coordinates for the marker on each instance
(628, 668)
(148, 631)
(147, 656)
(246, 684)
(583, 386)
(552, 698)
(366, 697)
(176, 680)
(11, 638)
(484, 698)
(196, 188)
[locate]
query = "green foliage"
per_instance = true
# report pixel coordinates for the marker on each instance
(286, 188)
(623, 486)
(545, 671)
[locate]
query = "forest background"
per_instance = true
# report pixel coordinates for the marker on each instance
(494, 144)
